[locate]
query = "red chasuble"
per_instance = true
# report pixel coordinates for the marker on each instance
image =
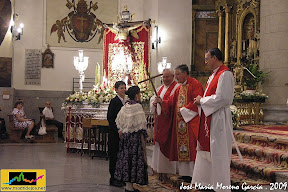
(182, 136)
(204, 132)
(161, 131)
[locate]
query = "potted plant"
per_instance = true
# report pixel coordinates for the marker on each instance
(254, 77)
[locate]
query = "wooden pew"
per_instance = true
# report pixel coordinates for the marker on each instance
(15, 133)
(50, 129)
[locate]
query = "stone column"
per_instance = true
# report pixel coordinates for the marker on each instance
(274, 57)
(220, 33)
(227, 27)
(274, 49)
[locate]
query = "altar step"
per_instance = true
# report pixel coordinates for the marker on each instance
(272, 140)
(265, 156)
(256, 168)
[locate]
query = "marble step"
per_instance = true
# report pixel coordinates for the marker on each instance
(276, 156)
(262, 139)
(256, 168)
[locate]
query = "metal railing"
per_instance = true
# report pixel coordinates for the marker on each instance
(87, 84)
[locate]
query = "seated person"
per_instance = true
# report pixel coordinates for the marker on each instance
(49, 119)
(21, 121)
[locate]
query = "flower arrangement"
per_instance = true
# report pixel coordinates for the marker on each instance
(251, 97)
(235, 121)
(146, 93)
(102, 94)
(76, 98)
(99, 94)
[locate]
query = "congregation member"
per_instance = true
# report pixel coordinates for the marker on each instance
(160, 162)
(21, 121)
(50, 120)
(131, 166)
(185, 126)
(113, 138)
(214, 147)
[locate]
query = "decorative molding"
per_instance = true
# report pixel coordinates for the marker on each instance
(227, 8)
(248, 4)
(206, 15)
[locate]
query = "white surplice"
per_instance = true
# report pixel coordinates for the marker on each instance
(214, 166)
(160, 163)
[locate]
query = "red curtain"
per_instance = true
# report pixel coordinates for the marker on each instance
(138, 48)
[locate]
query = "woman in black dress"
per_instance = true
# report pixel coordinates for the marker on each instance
(131, 166)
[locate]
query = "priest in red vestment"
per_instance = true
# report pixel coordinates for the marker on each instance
(161, 163)
(214, 149)
(185, 126)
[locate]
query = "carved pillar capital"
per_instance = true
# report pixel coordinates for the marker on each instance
(227, 8)
(194, 12)
(219, 13)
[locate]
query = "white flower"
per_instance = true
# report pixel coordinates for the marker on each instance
(233, 109)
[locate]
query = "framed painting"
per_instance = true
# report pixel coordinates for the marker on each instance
(48, 59)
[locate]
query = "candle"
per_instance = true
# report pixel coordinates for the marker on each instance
(96, 74)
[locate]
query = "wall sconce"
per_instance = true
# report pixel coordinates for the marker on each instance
(16, 30)
(163, 65)
(155, 38)
(81, 64)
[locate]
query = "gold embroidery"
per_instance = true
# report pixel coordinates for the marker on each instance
(182, 129)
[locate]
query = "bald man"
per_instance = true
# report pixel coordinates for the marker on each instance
(160, 162)
(50, 120)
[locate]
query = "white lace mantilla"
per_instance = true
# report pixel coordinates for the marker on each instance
(131, 118)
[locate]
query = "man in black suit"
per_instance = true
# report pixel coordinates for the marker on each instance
(113, 138)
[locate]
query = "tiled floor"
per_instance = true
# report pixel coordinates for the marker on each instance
(65, 171)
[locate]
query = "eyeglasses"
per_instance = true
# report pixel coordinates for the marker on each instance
(206, 59)
(177, 74)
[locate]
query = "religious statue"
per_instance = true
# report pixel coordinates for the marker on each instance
(238, 76)
(122, 31)
(233, 50)
(257, 36)
(252, 47)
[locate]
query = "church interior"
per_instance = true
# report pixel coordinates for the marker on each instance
(71, 53)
